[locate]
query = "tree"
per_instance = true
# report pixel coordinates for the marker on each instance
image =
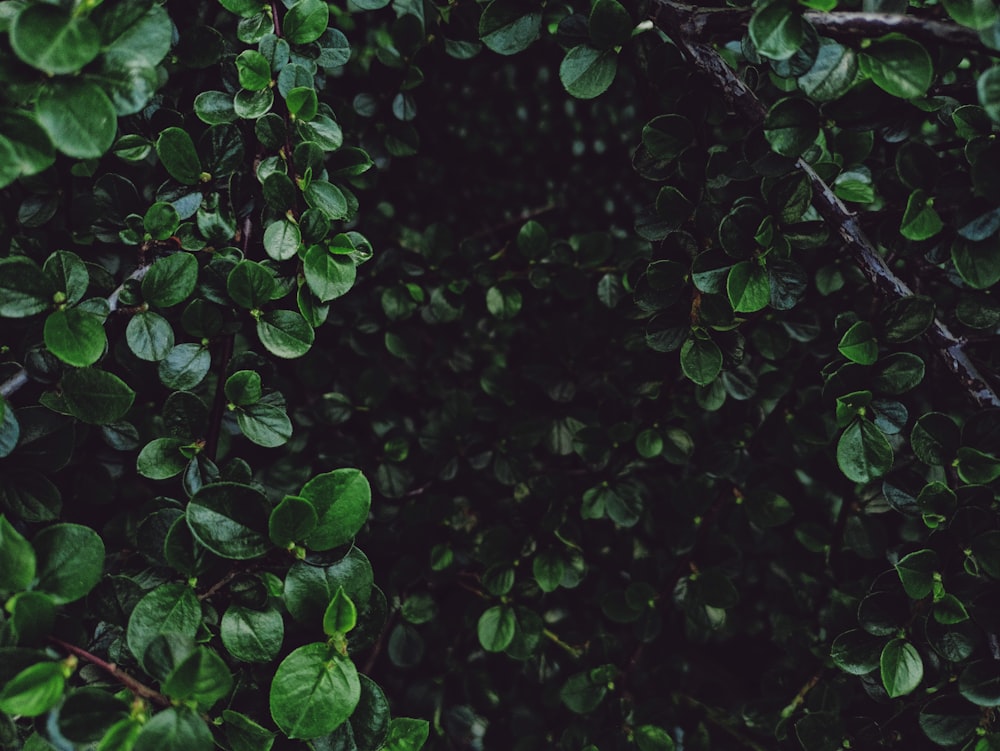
(701, 452)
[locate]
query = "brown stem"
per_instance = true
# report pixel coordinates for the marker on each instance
(674, 20)
(275, 19)
(519, 219)
(225, 353)
(230, 575)
(137, 688)
(379, 643)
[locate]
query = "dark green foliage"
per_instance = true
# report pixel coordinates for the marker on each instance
(646, 348)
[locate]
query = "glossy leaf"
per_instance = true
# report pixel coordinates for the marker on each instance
(313, 692)
(230, 519)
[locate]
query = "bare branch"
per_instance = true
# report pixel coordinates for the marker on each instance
(708, 62)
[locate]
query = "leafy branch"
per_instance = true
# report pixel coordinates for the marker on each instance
(12, 384)
(674, 20)
(703, 24)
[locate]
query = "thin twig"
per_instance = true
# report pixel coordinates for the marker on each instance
(376, 649)
(137, 688)
(519, 219)
(225, 353)
(708, 62)
(20, 378)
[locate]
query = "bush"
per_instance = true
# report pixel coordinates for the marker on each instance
(664, 406)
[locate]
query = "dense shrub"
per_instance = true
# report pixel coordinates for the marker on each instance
(646, 349)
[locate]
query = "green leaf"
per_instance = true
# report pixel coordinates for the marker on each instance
(977, 14)
(17, 559)
(96, 396)
(907, 318)
(150, 336)
(243, 387)
(667, 136)
(509, 26)
(175, 729)
(977, 263)
(548, 569)
(78, 116)
(898, 373)
(215, 107)
(161, 220)
(25, 147)
(230, 520)
(581, 694)
(949, 610)
(863, 452)
(856, 652)
(291, 521)
(791, 126)
(587, 72)
(341, 614)
(748, 287)
(901, 668)
(250, 285)
(980, 683)
(245, 8)
(313, 692)
(935, 438)
(178, 155)
(309, 589)
(701, 359)
(252, 635)
(916, 572)
(185, 366)
(244, 734)
(503, 302)
(988, 88)
(170, 280)
(75, 336)
(202, 678)
(302, 103)
(342, 499)
(168, 609)
(68, 275)
(899, 66)
(306, 21)
(285, 333)
(163, 458)
(977, 467)
(25, 290)
(53, 39)
(920, 220)
(496, 628)
(406, 734)
(832, 73)
(34, 690)
(328, 198)
(610, 24)
(653, 738)
(328, 275)
(70, 561)
(282, 239)
(253, 70)
(777, 30)
(265, 424)
(858, 344)
(130, 34)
